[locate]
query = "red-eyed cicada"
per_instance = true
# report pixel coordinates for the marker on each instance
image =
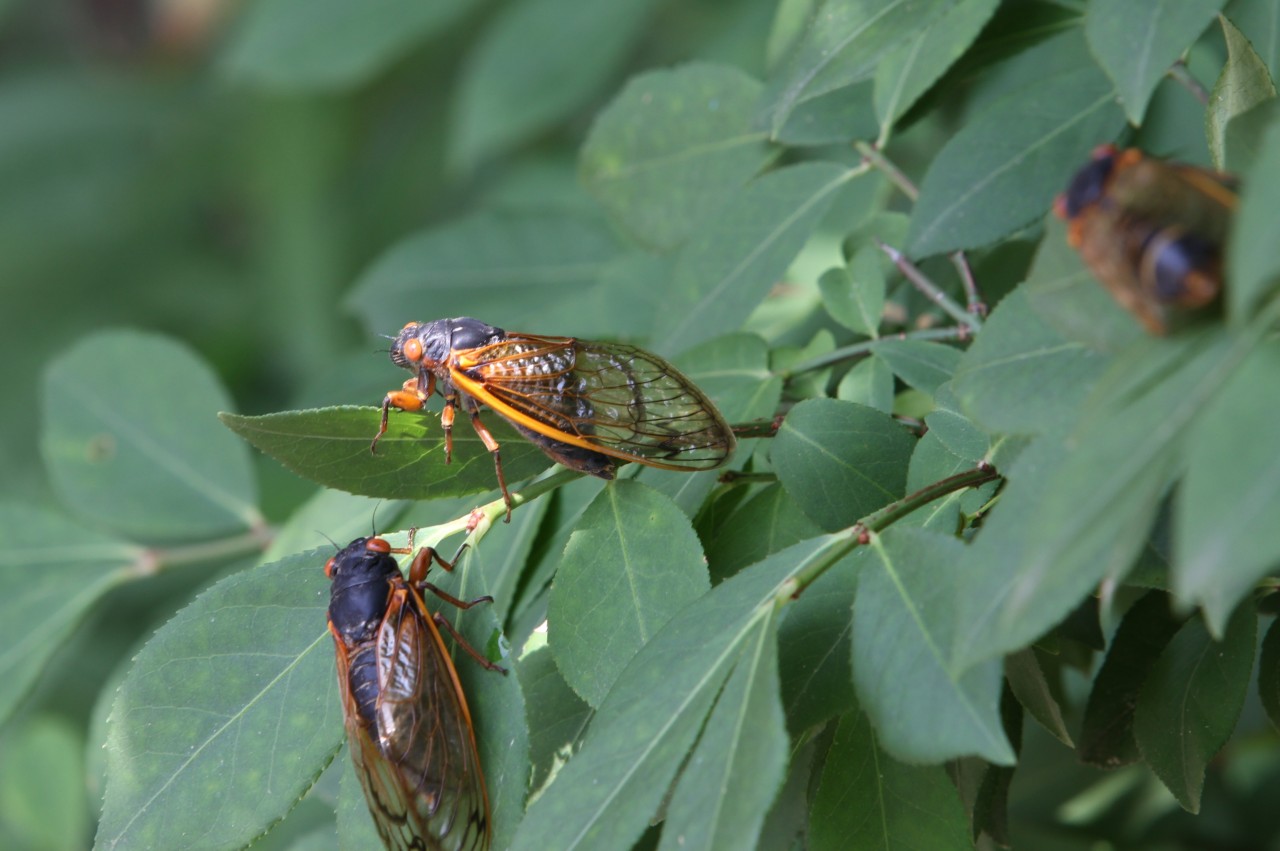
(585, 404)
(408, 726)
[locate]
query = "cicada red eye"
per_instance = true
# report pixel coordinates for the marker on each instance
(408, 726)
(587, 405)
(1152, 232)
(412, 351)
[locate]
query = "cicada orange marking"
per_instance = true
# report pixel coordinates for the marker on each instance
(585, 404)
(408, 726)
(1151, 231)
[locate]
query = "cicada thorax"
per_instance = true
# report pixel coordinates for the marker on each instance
(585, 404)
(408, 726)
(1152, 232)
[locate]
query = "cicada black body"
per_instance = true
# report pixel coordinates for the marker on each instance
(408, 726)
(586, 404)
(1153, 232)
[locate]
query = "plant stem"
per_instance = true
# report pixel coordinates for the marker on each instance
(155, 559)
(860, 533)
(871, 154)
(973, 298)
(477, 522)
(856, 350)
(1180, 73)
(931, 290)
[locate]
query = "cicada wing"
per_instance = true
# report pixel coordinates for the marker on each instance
(425, 736)
(610, 398)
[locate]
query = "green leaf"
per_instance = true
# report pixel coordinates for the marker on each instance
(536, 63)
(342, 516)
(671, 147)
(509, 269)
(1010, 363)
(840, 461)
(241, 677)
(1245, 135)
(1106, 734)
(1269, 673)
(1244, 83)
(632, 562)
(914, 66)
(956, 431)
(1259, 20)
(739, 763)
(1068, 299)
(920, 363)
(869, 383)
(331, 446)
(733, 371)
(355, 824)
(1136, 41)
(140, 452)
(503, 553)
(843, 44)
(608, 793)
(1004, 167)
(767, 522)
(933, 461)
(816, 651)
(321, 45)
(854, 294)
(558, 718)
(1226, 537)
(1191, 700)
(830, 119)
(52, 573)
(729, 266)
(904, 626)
(868, 800)
(496, 702)
(42, 801)
(1096, 496)
(1027, 680)
(1251, 257)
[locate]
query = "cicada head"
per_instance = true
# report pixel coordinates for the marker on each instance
(361, 573)
(429, 344)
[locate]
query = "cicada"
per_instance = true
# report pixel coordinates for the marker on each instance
(585, 404)
(1151, 231)
(408, 726)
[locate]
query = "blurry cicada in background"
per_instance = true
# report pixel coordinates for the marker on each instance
(585, 404)
(408, 726)
(1152, 232)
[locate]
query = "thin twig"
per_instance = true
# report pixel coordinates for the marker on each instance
(871, 154)
(1182, 75)
(975, 304)
(860, 533)
(931, 290)
(866, 347)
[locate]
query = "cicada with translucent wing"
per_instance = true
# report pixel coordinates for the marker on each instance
(585, 404)
(408, 726)
(1151, 231)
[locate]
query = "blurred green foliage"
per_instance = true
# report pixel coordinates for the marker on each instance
(222, 207)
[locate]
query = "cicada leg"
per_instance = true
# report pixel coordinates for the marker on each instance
(418, 569)
(446, 423)
(411, 396)
(462, 642)
(490, 443)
